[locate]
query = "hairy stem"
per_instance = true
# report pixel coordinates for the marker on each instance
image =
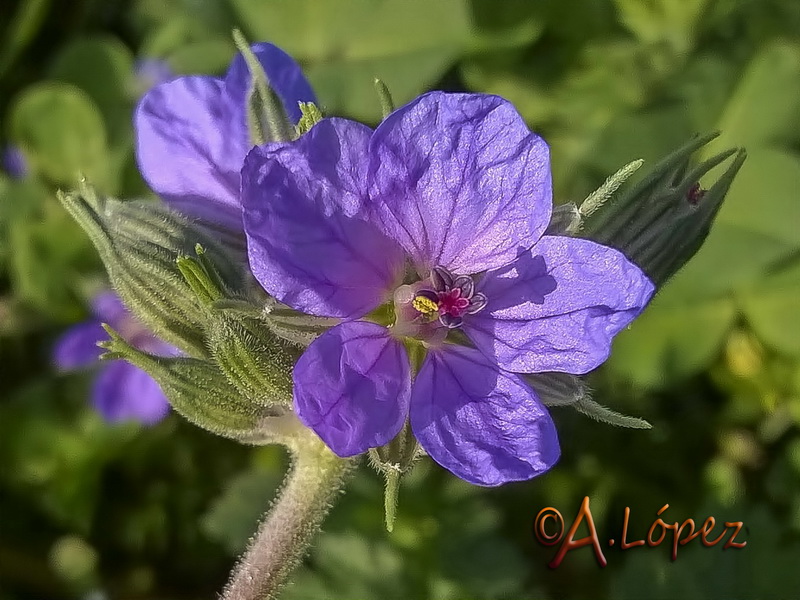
(284, 536)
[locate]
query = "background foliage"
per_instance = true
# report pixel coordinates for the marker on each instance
(123, 512)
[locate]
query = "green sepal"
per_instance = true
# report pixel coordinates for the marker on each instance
(295, 327)
(655, 223)
(311, 115)
(384, 97)
(601, 413)
(266, 117)
(393, 460)
(563, 389)
(564, 220)
(254, 360)
(557, 389)
(198, 390)
(139, 243)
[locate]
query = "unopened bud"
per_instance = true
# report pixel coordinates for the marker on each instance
(198, 390)
(662, 221)
(139, 243)
(266, 117)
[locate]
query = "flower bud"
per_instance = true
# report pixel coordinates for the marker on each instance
(199, 391)
(256, 361)
(662, 221)
(139, 243)
(266, 117)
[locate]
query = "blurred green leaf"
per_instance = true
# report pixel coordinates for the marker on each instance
(48, 250)
(62, 131)
(21, 30)
(348, 44)
(672, 22)
(102, 66)
(235, 514)
(670, 341)
(771, 308)
(764, 109)
(351, 566)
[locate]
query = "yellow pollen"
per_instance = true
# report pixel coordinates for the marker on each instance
(424, 305)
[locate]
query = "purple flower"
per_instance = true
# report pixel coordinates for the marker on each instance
(14, 162)
(121, 391)
(192, 134)
(438, 214)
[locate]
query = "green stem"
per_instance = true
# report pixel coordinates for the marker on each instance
(284, 536)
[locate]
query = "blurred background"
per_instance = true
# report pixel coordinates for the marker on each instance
(90, 510)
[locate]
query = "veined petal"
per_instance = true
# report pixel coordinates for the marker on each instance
(484, 425)
(192, 136)
(77, 347)
(190, 144)
(459, 181)
(123, 392)
(558, 306)
(352, 387)
(284, 74)
(308, 241)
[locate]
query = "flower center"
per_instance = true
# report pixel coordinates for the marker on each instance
(429, 308)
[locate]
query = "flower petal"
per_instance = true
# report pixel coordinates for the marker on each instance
(123, 392)
(558, 306)
(352, 387)
(484, 425)
(77, 347)
(108, 307)
(192, 136)
(190, 144)
(460, 181)
(284, 74)
(307, 239)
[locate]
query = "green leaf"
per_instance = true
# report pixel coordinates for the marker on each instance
(349, 43)
(62, 131)
(506, 24)
(673, 22)
(765, 106)
(233, 516)
(771, 309)
(102, 67)
(46, 251)
(671, 341)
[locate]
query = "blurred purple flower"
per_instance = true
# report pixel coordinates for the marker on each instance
(14, 162)
(121, 391)
(440, 211)
(150, 72)
(192, 134)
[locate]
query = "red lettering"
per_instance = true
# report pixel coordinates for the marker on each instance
(571, 544)
(625, 545)
(708, 527)
(730, 543)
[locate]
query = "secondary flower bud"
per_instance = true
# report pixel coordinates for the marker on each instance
(139, 243)
(199, 391)
(662, 221)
